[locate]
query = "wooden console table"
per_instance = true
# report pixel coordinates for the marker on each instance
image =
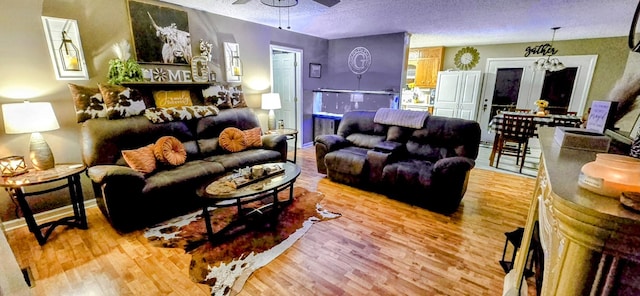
(591, 243)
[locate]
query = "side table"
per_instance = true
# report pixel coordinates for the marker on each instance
(291, 134)
(16, 185)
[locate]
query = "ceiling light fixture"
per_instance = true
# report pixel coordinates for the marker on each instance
(280, 4)
(549, 64)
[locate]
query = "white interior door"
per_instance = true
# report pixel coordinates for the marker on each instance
(470, 93)
(447, 94)
(286, 77)
(531, 83)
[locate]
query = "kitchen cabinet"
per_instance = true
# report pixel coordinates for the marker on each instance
(457, 94)
(428, 62)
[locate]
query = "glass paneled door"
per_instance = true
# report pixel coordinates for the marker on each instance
(512, 83)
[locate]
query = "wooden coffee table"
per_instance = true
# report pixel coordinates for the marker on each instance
(266, 189)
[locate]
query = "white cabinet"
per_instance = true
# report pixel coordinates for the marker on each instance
(457, 94)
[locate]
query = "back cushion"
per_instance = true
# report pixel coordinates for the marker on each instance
(364, 140)
(445, 137)
(360, 122)
(209, 128)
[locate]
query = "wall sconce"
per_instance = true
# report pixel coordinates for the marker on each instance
(232, 62)
(21, 118)
(12, 166)
(69, 54)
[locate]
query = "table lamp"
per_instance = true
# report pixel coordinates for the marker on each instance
(21, 118)
(271, 101)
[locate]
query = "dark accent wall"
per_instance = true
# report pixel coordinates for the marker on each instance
(387, 60)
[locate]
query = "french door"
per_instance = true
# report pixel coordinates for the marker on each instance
(513, 83)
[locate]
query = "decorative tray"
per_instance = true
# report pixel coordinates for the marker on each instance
(243, 177)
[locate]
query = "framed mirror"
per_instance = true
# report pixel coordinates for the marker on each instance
(65, 48)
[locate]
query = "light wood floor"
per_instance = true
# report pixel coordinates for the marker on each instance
(379, 247)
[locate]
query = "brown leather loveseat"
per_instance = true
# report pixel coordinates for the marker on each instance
(427, 164)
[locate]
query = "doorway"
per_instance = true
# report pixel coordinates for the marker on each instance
(513, 83)
(286, 79)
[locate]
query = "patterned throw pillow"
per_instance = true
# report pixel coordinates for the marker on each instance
(88, 102)
(169, 150)
(224, 96)
(232, 139)
(172, 98)
(122, 101)
(253, 137)
(141, 159)
(161, 115)
(237, 97)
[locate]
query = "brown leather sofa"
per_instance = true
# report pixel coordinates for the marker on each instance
(426, 166)
(131, 200)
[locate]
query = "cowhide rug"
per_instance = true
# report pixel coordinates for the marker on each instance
(226, 265)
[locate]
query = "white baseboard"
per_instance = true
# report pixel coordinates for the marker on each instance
(47, 216)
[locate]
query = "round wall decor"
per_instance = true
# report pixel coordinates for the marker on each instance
(466, 58)
(359, 60)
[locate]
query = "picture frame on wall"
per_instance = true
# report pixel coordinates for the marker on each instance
(160, 34)
(232, 62)
(315, 70)
(65, 48)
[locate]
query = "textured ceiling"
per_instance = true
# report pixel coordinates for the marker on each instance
(441, 22)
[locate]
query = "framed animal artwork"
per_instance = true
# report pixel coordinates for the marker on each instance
(160, 34)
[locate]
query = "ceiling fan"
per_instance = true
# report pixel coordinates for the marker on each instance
(328, 3)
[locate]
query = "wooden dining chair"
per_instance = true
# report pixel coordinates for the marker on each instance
(516, 129)
(570, 121)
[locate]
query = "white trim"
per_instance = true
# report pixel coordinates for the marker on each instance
(47, 216)
(299, 91)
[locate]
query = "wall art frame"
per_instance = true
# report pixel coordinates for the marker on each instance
(160, 34)
(53, 30)
(315, 70)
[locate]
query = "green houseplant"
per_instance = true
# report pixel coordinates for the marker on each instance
(123, 68)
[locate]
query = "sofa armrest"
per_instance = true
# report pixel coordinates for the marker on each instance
(389, 147)
(325, 144)
(101, 174)
(453, 165)
(276, 143)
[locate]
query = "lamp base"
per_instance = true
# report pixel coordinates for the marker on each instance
(40, 153)
(272, 120)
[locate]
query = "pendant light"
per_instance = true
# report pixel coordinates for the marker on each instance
(281, 4)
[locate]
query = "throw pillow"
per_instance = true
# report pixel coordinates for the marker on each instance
(169, 150)
(141, 159)
(253, 137)
(232, 140)
(172, 98)
(160, 115)
(122, 101)
(88, 102)
(237, 97)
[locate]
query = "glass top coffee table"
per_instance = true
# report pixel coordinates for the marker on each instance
(221, 193)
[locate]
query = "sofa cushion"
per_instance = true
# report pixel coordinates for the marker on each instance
(245, 158)
(169, 150)
(350, 160)
(192, 173)
(410, 174)
(365, 140)
(233, 140)
(142, 159)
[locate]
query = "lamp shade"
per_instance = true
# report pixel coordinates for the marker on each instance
(21, 118)
(271, 101)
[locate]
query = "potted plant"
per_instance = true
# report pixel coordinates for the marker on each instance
(123, 68)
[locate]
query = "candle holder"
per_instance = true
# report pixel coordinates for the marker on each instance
(12, 166)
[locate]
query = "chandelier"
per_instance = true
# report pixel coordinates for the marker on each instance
(549, 64)
(281, 4)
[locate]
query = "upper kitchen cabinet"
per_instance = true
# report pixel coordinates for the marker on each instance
(428, 62)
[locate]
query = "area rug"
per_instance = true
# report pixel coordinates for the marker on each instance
(227, 264)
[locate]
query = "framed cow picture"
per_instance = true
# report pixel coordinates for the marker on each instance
(160, 34)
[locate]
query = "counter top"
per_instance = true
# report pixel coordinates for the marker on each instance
(563, 166)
